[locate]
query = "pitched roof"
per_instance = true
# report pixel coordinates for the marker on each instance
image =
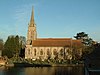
(54, 42)
(77, 43)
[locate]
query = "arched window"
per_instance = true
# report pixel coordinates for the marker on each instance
(48, 52)
(61, 52)
(54, 52)
(28, 51)
(41, 52)
(34, 52)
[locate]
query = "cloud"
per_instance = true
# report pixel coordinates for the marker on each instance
(22, 16)
(22, 13)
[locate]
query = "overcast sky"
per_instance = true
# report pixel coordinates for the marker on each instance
(53, 18)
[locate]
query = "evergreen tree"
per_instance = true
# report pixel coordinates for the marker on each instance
(12, 46)
(1, 46)
(17, 46)
(22, 41)
(8, 47)
(86, 40)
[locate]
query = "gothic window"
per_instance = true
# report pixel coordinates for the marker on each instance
(31, 35)
(41, 52)
(54, 52)
(61, 52)
(48, 52)
(28, 51)
(34, 52)
(31, 42)
(69, 51)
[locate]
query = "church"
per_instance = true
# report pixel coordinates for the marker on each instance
(49, 48)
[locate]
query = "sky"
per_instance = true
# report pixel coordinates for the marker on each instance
(53, 18)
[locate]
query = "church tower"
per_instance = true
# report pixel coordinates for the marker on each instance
(32, 33)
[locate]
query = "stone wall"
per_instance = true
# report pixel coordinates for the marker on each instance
(45, 52)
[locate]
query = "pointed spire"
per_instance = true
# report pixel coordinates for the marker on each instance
(32, 18)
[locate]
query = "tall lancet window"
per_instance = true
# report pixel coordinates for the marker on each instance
(28, 51)
(54, 52)
(34, 52)
(41, 52)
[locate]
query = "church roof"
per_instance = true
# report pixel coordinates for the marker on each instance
(55, 42)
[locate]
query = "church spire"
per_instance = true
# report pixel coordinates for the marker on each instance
(32, 33)
(32, 23)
